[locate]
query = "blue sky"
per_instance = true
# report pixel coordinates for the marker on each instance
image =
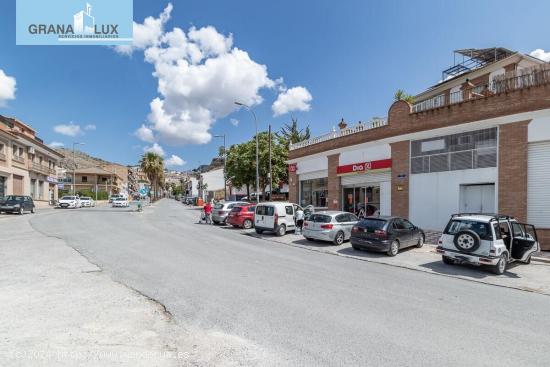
(350, 56)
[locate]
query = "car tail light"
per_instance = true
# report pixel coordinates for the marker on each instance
(326, 226)
(220, 212)
(305, 224)
(381, 233)
(355, 229)
(276, 219)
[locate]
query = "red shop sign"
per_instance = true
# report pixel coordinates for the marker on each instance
(292, 167)
(364, 166)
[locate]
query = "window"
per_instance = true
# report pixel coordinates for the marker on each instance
(408, 225)
(342, 218)
(516, 230)
(314, 192)
(482, 229)
(474, 149)
(320, 218)
(1, 147)
(289, 210)
(265, 210)
(496, 229)
(398, 224)
(84, 178)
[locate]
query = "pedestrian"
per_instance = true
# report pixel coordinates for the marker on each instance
(208, 212)
(299, 220)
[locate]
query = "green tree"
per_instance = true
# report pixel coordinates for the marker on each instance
(152, 165)
(400, 95)
(291, 133)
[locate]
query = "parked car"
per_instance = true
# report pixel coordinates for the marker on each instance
(116, 196)
(333, 226)
(278, 217)
(242, 216)
(386, 234)
(120, 202)
(222, 209)
(87, 202)
(484, 239)
(71, 202)
(17, 204)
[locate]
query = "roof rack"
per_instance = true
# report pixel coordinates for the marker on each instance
(494, 216)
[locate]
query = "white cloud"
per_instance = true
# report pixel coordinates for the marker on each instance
(174, 161)
(56, 144)
(145, 134)
(68, 129)
(293, 99)
(155, 148)
(234, 122)
(539, 53)
(90, 127)
(200, 75)
(7, 88)
(147, 33)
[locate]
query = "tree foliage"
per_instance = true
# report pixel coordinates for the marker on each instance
(152, 165)
(291, 133)
(400, 95)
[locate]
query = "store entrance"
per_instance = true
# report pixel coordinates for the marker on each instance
(361, 200)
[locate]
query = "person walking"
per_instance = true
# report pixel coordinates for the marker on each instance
(208, 212)
(299, 220)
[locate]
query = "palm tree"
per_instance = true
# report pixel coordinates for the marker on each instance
(291, 134)
(152, 165)
(400, 95)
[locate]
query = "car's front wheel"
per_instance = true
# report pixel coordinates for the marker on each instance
(394, 248)
(281, 230)
(420, 242)
(20, 211)
(339, 239)
(500, 267)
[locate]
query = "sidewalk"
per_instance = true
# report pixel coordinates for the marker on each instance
(532, 278)
(60, 310)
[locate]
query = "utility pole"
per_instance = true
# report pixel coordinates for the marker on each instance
(270, 168)
(257, 150)
(224, 165)
(75, 143)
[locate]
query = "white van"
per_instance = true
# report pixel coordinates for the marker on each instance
(275, 217)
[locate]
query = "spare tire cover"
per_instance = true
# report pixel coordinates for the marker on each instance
(467, 241)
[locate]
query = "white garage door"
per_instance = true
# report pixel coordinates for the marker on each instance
(538, 190)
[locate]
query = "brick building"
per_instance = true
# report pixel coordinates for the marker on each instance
(479, 141)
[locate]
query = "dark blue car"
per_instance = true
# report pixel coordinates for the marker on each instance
(17, 204)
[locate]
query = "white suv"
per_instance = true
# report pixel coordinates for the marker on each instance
(485, 239)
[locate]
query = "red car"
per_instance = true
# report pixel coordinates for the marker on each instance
(242, 216)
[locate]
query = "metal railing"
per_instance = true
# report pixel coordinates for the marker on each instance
(507, 82)
(363, 126)
(37, 167)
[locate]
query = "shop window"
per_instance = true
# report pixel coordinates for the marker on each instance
(84, 178)
(314, 192)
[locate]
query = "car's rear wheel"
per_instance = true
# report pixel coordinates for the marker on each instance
(20, 211)
(420, 242)
(500, 267)
(394, 248)
(447, 260)
(339, 239)
(247, 224)
(281, 230)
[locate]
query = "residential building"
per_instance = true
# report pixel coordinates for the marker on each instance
(27, 165)
(138, 183)
(95, 179)
(478, 141)
(212, 184)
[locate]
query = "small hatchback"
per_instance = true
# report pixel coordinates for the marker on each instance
(17, 204)
(221, 210)
(242, 216)
(333, 226)
(386, 234)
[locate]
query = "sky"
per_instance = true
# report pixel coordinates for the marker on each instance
(314, 60)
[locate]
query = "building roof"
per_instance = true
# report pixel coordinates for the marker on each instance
(95, 171)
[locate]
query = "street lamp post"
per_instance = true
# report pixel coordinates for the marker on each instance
(75, 143)
(224, 165)
(257, 151)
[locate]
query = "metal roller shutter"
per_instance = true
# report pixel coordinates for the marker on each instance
(538, 177)
(374, 177)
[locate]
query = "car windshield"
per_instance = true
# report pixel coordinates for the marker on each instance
(482, 229)
(372, 224)
(85, 198)
(320, 218)
(119, 199)
(67, 198)
(218, 206)
(14, 198)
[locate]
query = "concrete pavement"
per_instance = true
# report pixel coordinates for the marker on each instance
(240, 301)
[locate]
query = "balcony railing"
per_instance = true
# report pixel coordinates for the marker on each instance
(40, 168)
(18, 159)
(2, 157)
(508, 82)
(363, 126)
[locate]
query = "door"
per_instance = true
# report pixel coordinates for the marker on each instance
(414, 233)
(524, 241)
(347, 221)
(403, 233)
(290, 217)
(17, 185)
(477, 198)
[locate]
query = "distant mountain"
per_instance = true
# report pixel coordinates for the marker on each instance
(82, 159)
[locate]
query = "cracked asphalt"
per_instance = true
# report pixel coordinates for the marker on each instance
(239, 300)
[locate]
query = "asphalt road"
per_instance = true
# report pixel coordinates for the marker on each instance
(264, 303)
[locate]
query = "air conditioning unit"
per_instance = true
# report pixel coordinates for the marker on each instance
(31, 150)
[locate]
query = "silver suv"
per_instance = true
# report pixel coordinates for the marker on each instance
(221, 210)
(487, 239)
